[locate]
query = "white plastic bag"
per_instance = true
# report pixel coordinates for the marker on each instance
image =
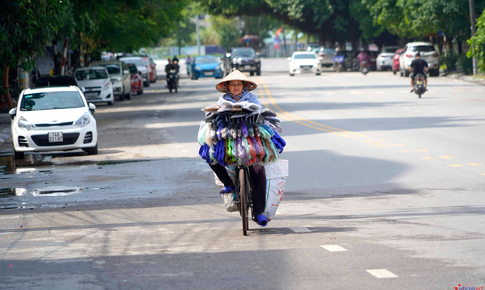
(229, 201)
(202, 132)
(276, 175)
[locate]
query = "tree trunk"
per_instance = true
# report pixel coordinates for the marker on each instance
(460, 47)
(5, 86)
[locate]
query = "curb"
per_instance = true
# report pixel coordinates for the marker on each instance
(480, 80)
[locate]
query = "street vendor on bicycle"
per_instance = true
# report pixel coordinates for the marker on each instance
(237, 88)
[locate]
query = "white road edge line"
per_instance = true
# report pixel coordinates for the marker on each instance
(381, 273)
(333, 248)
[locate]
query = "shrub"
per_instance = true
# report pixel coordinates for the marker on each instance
(464, 64)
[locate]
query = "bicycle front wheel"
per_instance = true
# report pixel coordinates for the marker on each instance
(243, 191)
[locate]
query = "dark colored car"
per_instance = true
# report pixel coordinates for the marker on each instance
(243, 59)
(56, 81)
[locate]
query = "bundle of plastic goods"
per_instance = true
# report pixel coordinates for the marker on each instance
(240, 134)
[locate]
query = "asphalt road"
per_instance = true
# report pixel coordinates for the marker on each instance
(385, 192)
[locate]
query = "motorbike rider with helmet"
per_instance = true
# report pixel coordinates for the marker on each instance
(170, 66)
(418, 66)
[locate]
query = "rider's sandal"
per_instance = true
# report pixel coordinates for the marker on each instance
(227, 189)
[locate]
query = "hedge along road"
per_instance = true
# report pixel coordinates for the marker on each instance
(361, 206)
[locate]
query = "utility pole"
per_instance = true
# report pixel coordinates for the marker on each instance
(474, 30)
(198, 34)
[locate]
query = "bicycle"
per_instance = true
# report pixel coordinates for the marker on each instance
(244, 197)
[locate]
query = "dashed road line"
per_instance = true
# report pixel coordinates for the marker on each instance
(429, 158)
(333, 248)
(474, 164)
(399, 145)
(455, 165)
(381, 273)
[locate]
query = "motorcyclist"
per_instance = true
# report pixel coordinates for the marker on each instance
(170, 66)
(418, 66)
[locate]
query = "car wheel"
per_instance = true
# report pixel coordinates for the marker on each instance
(406, 73)
(140, 92)
(258, 72)
(122, 96)
(318, 74)
(91, 150)
(434, 72)
(292, 75)
(251, 73)
(129, 95)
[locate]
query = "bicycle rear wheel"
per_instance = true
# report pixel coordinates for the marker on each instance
(243, 192)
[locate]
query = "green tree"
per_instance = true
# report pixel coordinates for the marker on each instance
(26, 26)
(477, 43)
(228, 30)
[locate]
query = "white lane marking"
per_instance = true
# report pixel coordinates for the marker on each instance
(329, 93)
(333, 248)
(207, 170)
(382, 273)
(355, 93)
(300, 230)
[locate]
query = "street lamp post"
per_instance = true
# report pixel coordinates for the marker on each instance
(474, 30)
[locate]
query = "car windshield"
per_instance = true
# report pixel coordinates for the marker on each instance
(421, 48)
(132, 68)
(113, 69)
(91, 74)
(146, 61)
(56, 82)
(327, 50)
(136, 61)
(305, 56)
(207, 59)
(389, 50)
(243, 52)
(51, 101)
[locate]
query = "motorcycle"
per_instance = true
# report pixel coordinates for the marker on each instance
(364, 67)
(172, 80)
(419, 85)
(339, 64)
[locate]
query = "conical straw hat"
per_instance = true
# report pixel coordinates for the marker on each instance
(235, 76)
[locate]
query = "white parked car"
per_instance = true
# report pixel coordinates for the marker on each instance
(386, 57)
(327, 54)
(428, 53)
(141, 66)
(304, 62)
(96, 83)
(120, 77)
(53, 119)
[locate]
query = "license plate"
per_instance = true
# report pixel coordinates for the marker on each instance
(247, 67)
(56, 137)
(419, 82)
(208, 73)
(91, 94)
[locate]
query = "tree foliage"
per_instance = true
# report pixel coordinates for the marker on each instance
(477, 43)
(26, 26)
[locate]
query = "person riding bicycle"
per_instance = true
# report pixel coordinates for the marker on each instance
(236, 88)
(418, 66)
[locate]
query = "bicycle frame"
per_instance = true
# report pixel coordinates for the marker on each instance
(244, 197)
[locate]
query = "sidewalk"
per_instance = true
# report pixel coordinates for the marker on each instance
(479, 79)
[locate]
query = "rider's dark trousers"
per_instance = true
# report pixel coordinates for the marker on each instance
(258, 179)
